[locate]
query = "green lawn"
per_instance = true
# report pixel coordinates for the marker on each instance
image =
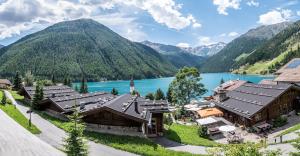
(291, 129)
(187, 135)
(15, 114)
(17, 96)
(142, 146)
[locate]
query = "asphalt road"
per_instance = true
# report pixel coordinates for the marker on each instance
(54, 136)
(17, 141)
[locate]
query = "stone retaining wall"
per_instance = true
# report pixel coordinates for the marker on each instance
(117, 130)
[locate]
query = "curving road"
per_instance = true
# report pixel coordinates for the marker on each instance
(15, 140)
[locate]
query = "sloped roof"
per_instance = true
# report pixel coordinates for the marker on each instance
(209, 112)
(49, 91)
(249, 98)
(5, 81)
(293, 65)
(230, 85)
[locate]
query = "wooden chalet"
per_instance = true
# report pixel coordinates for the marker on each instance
(5, 84)
(107, 113)
(253, 103)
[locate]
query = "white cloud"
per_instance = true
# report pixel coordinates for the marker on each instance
(183, 45)
(275, 16)
(253, 3)
(233, 34)
(17, 16)
(164, 12)
(205, 40)
(224, 4)
(298, 13)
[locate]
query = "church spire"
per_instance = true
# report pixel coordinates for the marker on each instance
(131, 85)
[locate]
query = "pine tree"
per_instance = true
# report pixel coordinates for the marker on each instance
(53, 79)
(159, 95)
(222, 81)
(76, 88)
(75, 145)
(150, 96)
(114, 91)
(17, 82)
(38, 96)
(83, 86)
(3, 100)
(169, 95)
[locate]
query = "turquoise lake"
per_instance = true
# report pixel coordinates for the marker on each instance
(210, 81)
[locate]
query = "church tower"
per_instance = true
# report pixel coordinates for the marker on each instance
(131, 85)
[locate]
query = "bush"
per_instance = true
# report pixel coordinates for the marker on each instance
(280, 121)
(202, 131)
(167, 119)
(8, 101)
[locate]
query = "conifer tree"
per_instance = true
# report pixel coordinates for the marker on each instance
(159, 95)
(222, 81)
(169, 95)
(17, 82)
(150, 96)
(3, 100)
(83, 86)
(38, 96)
(75, 145)
(114, 91)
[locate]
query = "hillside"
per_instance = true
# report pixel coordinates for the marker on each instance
(241, 47)
(1, 46)
(206, 50)
(277, 51)
(82, 47)
(177, 56)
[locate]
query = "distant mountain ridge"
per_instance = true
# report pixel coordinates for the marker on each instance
(205, 50)
(82, 47)
(1, 46)
(177, 56)
(241, 47)
(274, 53)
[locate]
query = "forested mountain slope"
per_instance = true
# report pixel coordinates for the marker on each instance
(82, 47)
(274, 53)
(226, 60)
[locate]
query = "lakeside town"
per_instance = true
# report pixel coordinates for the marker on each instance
(241, 114)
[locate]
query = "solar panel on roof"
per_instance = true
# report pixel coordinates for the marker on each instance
(293, 64)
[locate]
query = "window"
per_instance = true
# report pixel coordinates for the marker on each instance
(258, 117)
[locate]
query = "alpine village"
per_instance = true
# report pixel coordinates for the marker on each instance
(73, 83)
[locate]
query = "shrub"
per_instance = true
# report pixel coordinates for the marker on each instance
(202, 131)
(8, 101)
(167, 119)
(280, 121)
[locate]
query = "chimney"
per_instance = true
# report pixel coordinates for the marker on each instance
(221, 96)
(136, 107)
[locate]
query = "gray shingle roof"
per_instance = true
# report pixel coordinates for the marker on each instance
(249, 98)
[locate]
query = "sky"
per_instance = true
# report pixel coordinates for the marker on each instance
(176, 22)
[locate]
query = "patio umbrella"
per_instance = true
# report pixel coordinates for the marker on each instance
(227, 128)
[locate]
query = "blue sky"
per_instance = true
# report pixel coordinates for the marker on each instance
(176, 22)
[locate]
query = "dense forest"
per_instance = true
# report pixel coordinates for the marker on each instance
(82, 47)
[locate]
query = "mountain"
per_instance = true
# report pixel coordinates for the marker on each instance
(206, 50)
(274, 53)
(81, 47)
(241, 47)
(1, 46)
(177, 56)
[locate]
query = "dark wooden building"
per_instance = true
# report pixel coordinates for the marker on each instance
(124, 114)
(253, 103)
